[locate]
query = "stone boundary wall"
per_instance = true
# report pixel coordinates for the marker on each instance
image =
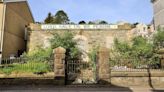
(154, 79)
(123, 79)
(87, 38)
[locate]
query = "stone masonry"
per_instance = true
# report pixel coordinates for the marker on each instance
(161, 52)
(87, 38)
(59, 62)
(103, 66)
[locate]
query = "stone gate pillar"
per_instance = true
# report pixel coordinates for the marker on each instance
(59, 64)
(103, 66)
(161, 52)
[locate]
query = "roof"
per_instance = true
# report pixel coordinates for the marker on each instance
(153, 1)
(7, 1)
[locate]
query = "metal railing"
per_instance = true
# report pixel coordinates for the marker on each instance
(32, 65)
(133, 65)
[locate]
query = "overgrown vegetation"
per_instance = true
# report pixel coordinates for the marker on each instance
(36, 61)
(158, 40)
(39, 54)
(39, 60)
(139, 53)
(66, 41)
(93, 55)
(29, 67)
(93, 59)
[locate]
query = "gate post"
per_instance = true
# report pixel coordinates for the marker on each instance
(103, 66)
(59, 65)
(161, 52)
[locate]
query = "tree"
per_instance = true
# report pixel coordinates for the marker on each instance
(90, 22)
(61, 18)
(82, 22)
(103, 22)
(49, 19)
(134, 25)
(72, 23)
(66, 41)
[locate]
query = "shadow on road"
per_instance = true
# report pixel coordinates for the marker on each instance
(157, 90)
(48, 85)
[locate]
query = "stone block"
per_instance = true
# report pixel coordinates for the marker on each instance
(59, 56)
(59, 61)
(104, 70)
(59, 66)
(59, 50)
(56, 72)
(62, 72)
(104, 76)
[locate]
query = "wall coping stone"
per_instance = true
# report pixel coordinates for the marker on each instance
(138, 74)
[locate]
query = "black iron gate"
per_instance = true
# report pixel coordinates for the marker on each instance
(80, 72)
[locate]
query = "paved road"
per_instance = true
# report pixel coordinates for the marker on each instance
(51, 88)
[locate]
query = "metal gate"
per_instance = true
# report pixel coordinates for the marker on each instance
(80, 72)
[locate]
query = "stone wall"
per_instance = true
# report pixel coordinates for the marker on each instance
(154, 79)
(87, 39)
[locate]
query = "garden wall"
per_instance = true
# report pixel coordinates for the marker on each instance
(142, 78)
(124, 79)
(87, 38)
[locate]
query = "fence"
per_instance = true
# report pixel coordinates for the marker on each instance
(38, 65)
(135, 65)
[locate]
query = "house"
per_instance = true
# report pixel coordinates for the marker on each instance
(158, 6)
(14, 16)
(143, 30)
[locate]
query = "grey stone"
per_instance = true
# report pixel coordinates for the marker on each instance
(78, 81)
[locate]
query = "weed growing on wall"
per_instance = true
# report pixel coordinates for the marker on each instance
(139, 52)
(93, 59)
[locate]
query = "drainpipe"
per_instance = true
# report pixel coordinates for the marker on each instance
(2, 30)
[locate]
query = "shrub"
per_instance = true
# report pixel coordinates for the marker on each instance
(6, 70)
(158, 39)
(138, 52)
(40, 54)
(66, 41)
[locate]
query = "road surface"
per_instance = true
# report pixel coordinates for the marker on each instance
(52, 88)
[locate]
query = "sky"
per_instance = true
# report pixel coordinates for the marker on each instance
(89, 10)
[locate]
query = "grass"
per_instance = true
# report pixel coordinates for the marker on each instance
(30, 67)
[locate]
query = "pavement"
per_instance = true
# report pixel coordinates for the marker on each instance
(73, 88)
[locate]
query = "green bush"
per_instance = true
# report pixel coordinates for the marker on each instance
(39, 54)
(93, 59)
(139, 52)
(6, 70)
(158, 39)
(66, 41)
(37, 61)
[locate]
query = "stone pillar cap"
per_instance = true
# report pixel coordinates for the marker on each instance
(60, 50)
(161, 51)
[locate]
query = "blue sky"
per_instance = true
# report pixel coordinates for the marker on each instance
(109, 10)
